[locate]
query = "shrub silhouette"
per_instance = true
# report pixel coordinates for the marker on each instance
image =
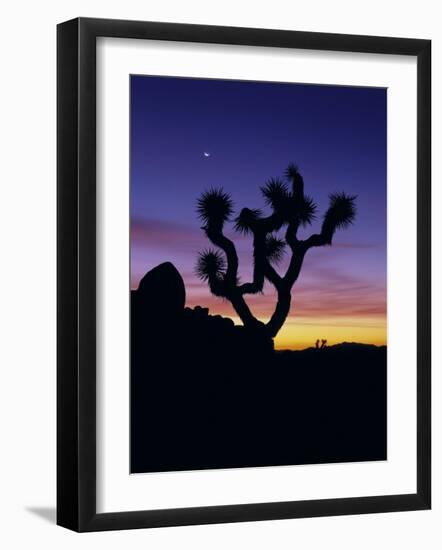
(290, 208)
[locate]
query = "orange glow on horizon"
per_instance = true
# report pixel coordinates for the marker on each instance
(301, 333)
(297, 335)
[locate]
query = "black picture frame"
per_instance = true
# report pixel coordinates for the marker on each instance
(76, 274)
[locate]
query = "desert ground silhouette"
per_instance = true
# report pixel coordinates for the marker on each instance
(208, 394)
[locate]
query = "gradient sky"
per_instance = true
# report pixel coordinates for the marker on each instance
(252, 130)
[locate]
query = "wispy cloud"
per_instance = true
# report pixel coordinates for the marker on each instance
(357, 246)
(158, 233)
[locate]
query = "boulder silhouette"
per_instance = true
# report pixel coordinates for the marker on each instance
(161, 292)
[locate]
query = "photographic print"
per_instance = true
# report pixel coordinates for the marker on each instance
(222, 262)
(258, 274)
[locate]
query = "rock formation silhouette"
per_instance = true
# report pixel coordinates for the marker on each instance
(161, 292)
(158, 308)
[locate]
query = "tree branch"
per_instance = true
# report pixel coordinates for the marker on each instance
(291, 234)
(258, 269)
(243, 310)
(261, 266)
(272, 275)
(316, 240)
(295, 265)
(216, 285)
(280, 314)
(217, 237)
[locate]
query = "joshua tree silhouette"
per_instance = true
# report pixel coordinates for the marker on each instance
(290, 209)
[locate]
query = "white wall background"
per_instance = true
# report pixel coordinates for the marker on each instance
(27, 275)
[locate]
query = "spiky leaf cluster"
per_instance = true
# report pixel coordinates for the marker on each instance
(247, 220)
(304, 210)
(291, 206)
(293, 174)
(276, 195)
(214, 207)
(274, 248)
(340, 214)
(210, 264)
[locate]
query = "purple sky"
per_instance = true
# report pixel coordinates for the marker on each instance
(252, 130)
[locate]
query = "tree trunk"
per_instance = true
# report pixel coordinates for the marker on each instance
(242, 309)
(281, 311)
